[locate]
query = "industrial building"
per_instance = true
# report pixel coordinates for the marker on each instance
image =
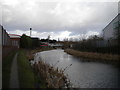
(9, 43)
(109, 32)
(15, 39)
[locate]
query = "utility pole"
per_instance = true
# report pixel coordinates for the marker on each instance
(30, 32)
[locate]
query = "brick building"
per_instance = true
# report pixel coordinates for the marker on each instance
(15, 40)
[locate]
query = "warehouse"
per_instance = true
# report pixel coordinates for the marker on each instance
(8, 42)
(109, 31)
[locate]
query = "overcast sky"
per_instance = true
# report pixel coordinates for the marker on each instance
(57, 18)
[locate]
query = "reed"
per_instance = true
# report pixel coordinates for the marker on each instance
(48, 75)
(93, 56)
(53, 77)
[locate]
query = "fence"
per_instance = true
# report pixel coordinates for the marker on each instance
(7, 46)
(102, 46)
(105, 43)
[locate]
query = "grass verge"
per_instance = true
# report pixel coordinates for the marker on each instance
(26, 75)
(6, 69)
(93, 56)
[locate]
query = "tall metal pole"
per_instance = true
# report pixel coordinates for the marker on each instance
(30, 32)
(48, 38)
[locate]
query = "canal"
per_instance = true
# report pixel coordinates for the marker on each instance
(82, 74)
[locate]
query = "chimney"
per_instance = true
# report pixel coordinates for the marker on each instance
(30, 32)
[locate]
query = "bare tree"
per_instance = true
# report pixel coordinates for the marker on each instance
(117, 31)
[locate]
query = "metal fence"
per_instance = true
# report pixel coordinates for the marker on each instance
(105, 43)
(7, 46)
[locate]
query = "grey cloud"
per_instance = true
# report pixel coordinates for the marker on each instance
(44, 17)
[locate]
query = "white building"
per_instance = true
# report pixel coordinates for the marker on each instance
(109, 30)
(56, 45)
(0, 57)
(119, 7)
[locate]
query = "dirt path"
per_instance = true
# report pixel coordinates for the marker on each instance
(14, 82)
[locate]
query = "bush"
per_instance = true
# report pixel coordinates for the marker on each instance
(25, 41)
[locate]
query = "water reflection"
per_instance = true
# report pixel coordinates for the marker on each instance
(82, 74)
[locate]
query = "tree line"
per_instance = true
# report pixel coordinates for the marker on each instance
(96, 43)
(28, 42)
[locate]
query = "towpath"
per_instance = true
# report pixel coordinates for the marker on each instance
(14, 82)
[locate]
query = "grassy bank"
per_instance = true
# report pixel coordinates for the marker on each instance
(26, 75)
(93, 56)
(46, 76)
(6, 69)
(28, 78)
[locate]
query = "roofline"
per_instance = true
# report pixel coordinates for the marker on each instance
(111, 21)
(15, 34)
(15, 38)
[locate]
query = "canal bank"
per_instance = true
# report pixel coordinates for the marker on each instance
(93, 56)
(46, 75)
(27, 78)
(82, 74)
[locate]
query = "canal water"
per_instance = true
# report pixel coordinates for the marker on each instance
(82, 74)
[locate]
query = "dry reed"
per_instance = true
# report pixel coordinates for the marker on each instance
(94, 56)
(53, 78)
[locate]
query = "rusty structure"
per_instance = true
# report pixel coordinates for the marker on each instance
(15, 39)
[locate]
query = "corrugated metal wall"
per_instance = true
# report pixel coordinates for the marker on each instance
(7, 46)
(108, 31)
